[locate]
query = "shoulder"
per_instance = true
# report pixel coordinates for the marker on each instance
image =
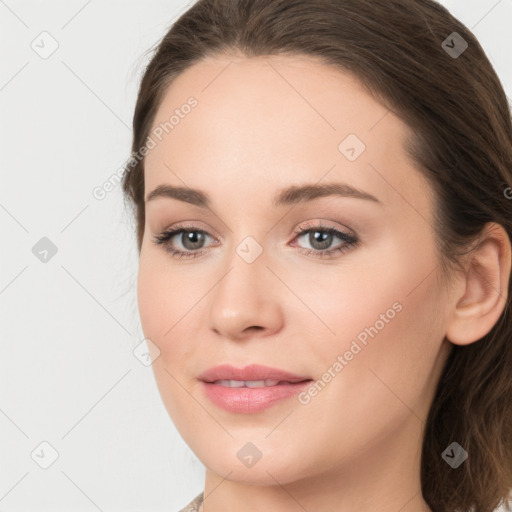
(194, 505)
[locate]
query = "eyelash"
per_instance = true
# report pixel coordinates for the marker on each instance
(350, 241)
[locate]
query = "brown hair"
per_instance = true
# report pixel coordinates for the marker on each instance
(461, 140)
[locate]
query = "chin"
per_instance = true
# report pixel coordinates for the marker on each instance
(269, 470)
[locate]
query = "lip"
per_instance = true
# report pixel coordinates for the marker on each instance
(251, 372)
(246, 400)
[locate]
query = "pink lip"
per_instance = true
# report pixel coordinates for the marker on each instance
(248, 400)
(251, 372)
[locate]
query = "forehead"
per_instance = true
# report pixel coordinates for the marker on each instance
(258, 98)
(272, 121)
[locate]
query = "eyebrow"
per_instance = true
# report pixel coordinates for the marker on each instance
(289, 196)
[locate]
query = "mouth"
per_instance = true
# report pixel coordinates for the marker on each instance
(250, 389)
(255, 383)
(253, 373)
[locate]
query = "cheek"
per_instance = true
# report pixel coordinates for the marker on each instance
(395, 360)
(161, 306)
(387, 326)
(168, 303)
(359, 300)
(151, 299)
(159, 300)
(389, 379)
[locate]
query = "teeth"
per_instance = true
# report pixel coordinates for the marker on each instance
(230, 383)
(260, 383)
(246, 383)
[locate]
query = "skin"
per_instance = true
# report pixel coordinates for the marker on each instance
(262, 124)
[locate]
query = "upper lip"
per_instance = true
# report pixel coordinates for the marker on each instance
(251, 372)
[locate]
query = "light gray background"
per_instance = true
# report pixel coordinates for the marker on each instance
(67, 372)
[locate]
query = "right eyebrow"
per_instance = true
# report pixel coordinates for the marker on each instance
(185, 194)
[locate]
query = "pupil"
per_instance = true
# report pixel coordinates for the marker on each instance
(313, 239)
(194, 238)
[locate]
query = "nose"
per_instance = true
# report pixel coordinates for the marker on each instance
(247, 301)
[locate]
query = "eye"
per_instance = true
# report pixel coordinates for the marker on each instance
(192, 239)
(321, 237)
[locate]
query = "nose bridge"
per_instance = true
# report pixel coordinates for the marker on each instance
(248, 243)
(247, 271)
(244, 296)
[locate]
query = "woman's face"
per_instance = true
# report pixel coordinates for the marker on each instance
(364, 322)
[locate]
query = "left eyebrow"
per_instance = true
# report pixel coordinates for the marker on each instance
(304, 193)
(287, 196)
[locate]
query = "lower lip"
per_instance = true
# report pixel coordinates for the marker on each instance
(248, 400)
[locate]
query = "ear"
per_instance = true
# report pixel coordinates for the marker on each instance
(485, 287)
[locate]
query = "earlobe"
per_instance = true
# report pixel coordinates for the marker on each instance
(487, 277)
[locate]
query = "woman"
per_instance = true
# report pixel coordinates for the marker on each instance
(322, 194)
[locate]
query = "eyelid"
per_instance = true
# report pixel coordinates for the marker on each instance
(319, 224)
(190, 226)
